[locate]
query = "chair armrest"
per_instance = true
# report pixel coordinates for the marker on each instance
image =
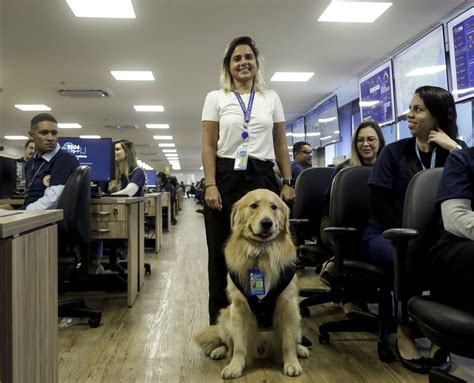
(339, 230)
(298, 221)
(401, 287)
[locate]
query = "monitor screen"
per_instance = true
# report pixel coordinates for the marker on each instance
(7, 176)
(150, 176)
(298, 130)
(312, 128)
(461, 54)
(422, 63)
(96, 153)
(376, 95)
(328, 121)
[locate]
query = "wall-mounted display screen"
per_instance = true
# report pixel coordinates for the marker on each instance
(312, 128)
(461, 54)
(422, 63)
(298, 130)
(376, 99)
(289, 135)
(324, 122)
(96, 153)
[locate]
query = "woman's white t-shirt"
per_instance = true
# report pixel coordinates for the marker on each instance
(224, 108)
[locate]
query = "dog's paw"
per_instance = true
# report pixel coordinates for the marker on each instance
(218, 353)
(232, 371)
(292, 369)
(302, 351)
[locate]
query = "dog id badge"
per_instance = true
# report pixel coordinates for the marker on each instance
(256, 282)
(242, 158)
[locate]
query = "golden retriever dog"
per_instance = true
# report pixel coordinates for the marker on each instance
(260, 240)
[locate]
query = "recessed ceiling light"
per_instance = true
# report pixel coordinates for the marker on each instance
(171, 155)
(354, 12)
(130, 75)
(149, 108)
(169, 150)
(292, 76)
(157, 126)
(69, 125)
(166, 145)
(116, 9)
(421, 71)
(92, 137)
(33, 107)
(329, 119)
(163, 137)
(16, 137)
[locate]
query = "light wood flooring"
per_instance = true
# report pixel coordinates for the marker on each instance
(152, 342)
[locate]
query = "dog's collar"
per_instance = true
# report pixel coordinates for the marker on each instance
(263, 309)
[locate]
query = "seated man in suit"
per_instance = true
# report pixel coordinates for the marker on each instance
(49, 169)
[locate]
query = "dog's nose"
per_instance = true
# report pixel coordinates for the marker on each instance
(266, 223)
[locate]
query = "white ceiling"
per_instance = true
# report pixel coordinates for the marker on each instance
(44, 48)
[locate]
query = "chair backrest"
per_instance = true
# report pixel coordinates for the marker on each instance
(75, 228)
(350, 198)
(310, 189)
(420, 213)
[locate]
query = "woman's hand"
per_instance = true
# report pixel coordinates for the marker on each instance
(287, 193)
(442, 139)
(213, 197)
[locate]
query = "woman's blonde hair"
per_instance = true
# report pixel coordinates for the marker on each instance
(130, 164)
(355, 159)
(226, 80)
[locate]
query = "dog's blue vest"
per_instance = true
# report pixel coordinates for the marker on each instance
(263, 309)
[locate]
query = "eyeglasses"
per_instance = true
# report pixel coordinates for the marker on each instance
(307, 152)
(370, 140)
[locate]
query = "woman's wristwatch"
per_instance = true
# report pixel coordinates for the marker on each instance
(457, 147)
(289, 182)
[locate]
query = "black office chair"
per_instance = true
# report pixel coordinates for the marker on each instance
(307, 209)
(448, 326)
(348, 215)
(74, 237)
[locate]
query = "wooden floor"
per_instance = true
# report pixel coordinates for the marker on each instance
(152, 342)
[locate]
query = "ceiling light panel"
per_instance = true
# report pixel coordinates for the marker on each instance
(91, 137)
(166, 145)
(354, 12)
(69, 125)
(157, 126)
(33, 107)
(163, 137)
(292, 76)
(128, 75)
(149, 108)
(169, 150)
(15, 137)
(115, 9)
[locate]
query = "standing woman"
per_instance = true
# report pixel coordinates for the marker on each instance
(243, 132)
(129, 177)
(432, 124)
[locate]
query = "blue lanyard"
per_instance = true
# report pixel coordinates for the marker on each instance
(36, 173)
(246, 110)
(433, 157)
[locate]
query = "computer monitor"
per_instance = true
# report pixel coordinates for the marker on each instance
(96, 153)
(150, 176)
(7, 176)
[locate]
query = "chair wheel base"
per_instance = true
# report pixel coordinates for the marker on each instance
(304, 311)
(94, 322)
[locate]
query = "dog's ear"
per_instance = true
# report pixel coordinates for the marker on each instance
(234, 215)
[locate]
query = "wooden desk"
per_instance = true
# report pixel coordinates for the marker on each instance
(29, 296)
(153, 209)
(123, 218)
(166, 203)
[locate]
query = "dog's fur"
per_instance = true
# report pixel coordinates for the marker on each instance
(254, 244)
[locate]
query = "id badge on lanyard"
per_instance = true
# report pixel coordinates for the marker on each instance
(242, 155)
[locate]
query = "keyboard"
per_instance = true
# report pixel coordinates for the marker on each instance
(5, 213)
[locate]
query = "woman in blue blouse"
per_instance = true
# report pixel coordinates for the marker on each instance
(432, 124)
